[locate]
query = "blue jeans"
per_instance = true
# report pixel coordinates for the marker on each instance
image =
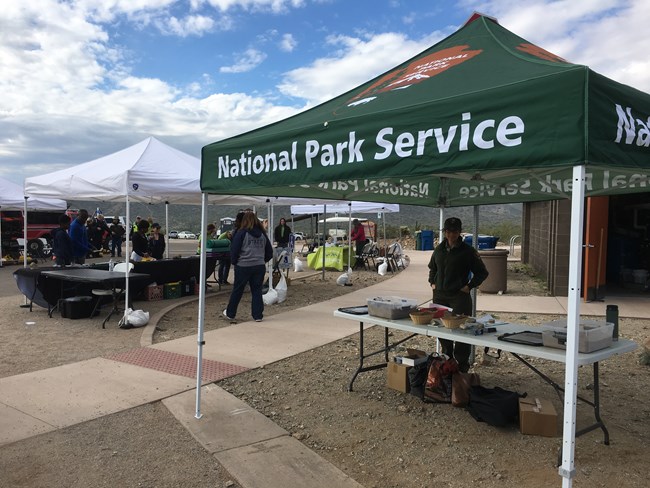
(224, 270)
(116, 246)
(248, 275)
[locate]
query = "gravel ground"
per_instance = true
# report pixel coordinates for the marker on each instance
(380, 437)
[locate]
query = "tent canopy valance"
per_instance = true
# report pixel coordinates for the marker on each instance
(12, 197)
(483, 116)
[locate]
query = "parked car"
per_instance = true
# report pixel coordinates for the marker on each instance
(299, 236)
(186, 235)
(173, 234)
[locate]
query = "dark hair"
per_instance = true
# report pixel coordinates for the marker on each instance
(155, 225)
(239, 218)
(211, 227)
(143, 225)
(64, 219)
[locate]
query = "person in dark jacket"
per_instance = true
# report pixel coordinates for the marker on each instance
(61, 243)
(281, 234)
(454, 269)
(250, 250)
(140, 242)
(156, 242)
(117, 234)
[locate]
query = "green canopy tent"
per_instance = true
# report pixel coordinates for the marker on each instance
(481, 117)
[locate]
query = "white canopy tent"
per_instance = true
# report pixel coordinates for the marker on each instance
(349, 208)
(12, 197)
(147, 172)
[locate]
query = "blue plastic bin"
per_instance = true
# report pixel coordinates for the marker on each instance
(427, 240)
(484, 242)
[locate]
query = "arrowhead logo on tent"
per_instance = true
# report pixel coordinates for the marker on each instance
(539, 52)
(416, 72)
(135, 186)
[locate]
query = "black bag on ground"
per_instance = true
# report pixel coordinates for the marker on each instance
(494, 406)
(418, 377)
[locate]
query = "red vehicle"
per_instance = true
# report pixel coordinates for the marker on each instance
(39, 225)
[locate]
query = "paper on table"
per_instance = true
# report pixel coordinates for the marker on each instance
(485, 320)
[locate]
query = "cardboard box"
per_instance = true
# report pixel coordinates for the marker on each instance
(537, 416)
(593, 335)
(413, 357)
(397, 377)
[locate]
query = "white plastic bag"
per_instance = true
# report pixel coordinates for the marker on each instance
(271, 296)
(281, 288)
(382, 269)
(345, 278)
(298, 265)
(134, 318)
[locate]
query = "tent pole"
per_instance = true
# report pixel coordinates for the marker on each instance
(127, 259)
(1, 257)
(567, 469)
(383, 218)
(201, 320)
(442, 224)
(349, 241)
(323, 240)
(473, 291)
(167, 229)
(25, 235)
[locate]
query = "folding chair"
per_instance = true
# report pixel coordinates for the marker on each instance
(115, 293)
(369, 255)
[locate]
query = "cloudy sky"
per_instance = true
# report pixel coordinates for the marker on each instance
(80, 79)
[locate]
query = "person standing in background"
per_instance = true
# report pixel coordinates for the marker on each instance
(251, 249)
(156, 242)
(358, 236)
(140, 242)
(117, 233)
(79, 236)
(454, 269)
(61, 243)
(281, 236)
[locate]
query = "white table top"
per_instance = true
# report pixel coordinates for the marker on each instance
(490, 339)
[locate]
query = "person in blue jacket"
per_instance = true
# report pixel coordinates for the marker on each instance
(250, 250)
(79, 236)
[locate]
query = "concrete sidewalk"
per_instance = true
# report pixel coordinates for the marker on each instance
(253, 449)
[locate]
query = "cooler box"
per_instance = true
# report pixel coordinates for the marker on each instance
(391, 307)
(593, 336)
(76, 307)
(484, 242)
(172, 290)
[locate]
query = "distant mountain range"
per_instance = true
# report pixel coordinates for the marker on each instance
(188, 217)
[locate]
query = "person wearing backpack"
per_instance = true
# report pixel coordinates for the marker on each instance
(454, 269)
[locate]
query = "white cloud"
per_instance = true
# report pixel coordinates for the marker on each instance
(609, 36)
(288, 43)
(276, 6)
(192, 25)
(248, 60)
(354, 62)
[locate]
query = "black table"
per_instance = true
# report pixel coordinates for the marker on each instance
(68, 278)
(164, 271)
